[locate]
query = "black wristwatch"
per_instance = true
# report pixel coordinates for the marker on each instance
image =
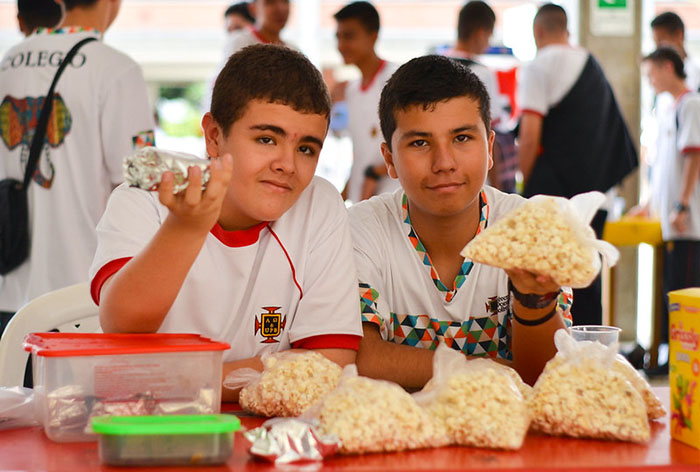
(533, 300)
(371, 174)
(681, 208)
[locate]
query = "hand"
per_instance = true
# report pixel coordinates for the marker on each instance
(193, 208)
(679, 220)
(527, 282)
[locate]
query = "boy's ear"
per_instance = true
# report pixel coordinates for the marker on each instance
(389, 161)
(212, 134)
(492, 138)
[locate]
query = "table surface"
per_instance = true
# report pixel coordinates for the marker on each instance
(30, 449)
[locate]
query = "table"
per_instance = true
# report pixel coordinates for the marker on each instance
(30, 449)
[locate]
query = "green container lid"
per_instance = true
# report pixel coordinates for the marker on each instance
(167, 424)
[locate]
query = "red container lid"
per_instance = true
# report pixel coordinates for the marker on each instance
(99, 344)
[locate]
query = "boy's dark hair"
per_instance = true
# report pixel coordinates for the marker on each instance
(70, 4)
(277, 74)
(364, 12)
(473, 16)
(668, 21)
(668, 54)
(39, 13)
(426, 81)
(552, 18)
(240, 9)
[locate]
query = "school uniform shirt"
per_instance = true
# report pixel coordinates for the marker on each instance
(692, 72)
(289, 283)
(402, 293)
(679, 133)
(365, 132)
(101, 113)
(585, 143)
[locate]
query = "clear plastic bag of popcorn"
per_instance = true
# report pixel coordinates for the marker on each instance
(549, 236)
(655, 409)
(369, 415)
(582, 394)
(476, 402)
(289, 384)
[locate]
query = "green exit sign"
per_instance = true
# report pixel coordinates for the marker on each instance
(612, 3)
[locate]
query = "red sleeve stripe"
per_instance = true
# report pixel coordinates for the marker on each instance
(532, 112)
(329, 341)
(690, 149)
(105, 272)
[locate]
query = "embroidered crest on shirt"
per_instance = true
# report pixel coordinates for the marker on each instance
(270, 324)
(19, 119)
(143, 139)
(496, 305)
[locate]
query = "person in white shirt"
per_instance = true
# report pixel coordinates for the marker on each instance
(358, 29)
(416, 290)
(572, 135)
(475, 26)
(675, 183)
(101, 112)
(668, 29)
(261, 259)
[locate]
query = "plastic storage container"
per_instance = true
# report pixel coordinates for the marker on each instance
(165, 440)
(81, 375)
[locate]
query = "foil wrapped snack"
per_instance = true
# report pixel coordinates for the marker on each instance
(145, 168)
(289, 440)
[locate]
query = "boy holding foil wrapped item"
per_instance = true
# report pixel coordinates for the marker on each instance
(416, 289)
(262, 257)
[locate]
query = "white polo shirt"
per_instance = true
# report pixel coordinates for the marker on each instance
(549, 77)
(289, 283)
(101, 113)
(402, 293)
(366, 134)
(679, 133)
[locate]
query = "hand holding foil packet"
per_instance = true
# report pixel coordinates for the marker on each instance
(290, 440)
(145, 168)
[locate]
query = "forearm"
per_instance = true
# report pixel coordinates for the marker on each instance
(529, 140)
(691, 173)
(342, 357)
(139, 296)
(533, 346)
(411, 367)
(527, 155)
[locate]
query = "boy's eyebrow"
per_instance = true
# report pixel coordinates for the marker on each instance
(425, 134)
(281, 132)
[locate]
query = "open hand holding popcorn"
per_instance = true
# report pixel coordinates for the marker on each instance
(548, 236)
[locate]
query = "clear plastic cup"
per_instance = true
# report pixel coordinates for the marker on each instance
(605, 335)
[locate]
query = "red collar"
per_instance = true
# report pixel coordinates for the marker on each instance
(244, 237)
(364, 88)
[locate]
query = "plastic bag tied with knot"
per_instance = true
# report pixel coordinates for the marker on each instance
(289, 384)
(476, 402)
(370, 415)
(548, 236)
(581, 394)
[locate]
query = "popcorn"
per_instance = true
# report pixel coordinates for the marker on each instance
(543, 236)
(290, 383)
(655, 408)
(476, 402)
(376, 416)
(581, 394)
(482, 409)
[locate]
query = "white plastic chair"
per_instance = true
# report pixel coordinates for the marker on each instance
(68, 309)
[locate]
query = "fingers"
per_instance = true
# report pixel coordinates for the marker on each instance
(165, 189)
(529, 282)
(193, 192)
(221, 170)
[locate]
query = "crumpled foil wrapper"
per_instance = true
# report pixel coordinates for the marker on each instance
(145, 168)
(289, 440)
